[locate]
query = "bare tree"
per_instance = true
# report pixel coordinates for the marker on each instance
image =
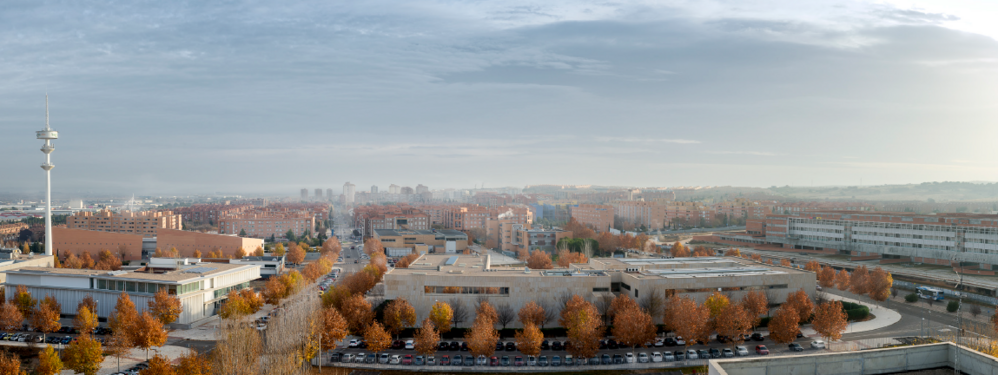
(975, 310)
(653, 303)
(505, 313)
(459, 312)
(563, 299)
(894, 292)
(550, 313)
(603, 303)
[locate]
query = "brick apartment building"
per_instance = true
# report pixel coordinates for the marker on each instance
(144, 223)
(401, 216)
(264, 223)
(137, 246)
(650, 214)
(596, 216)
(11, 230)
(208, 213)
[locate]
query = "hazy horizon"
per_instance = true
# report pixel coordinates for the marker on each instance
(158, 98)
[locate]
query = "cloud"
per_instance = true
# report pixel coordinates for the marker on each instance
(159, 96)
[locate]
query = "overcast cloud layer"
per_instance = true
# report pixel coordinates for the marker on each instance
(154, 97)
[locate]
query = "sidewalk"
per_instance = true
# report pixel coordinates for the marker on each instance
(883, 317)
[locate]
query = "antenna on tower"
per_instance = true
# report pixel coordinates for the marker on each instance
(47, 111)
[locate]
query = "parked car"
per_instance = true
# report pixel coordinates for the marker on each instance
(555, 345)
(605, 359)
(445, 360)
(795, 347)
(761, 350)
(518, 361)
(629, 357)
(569, 361)
(818, 344)
(757, 337)
(680, 355)
(384, 358)
(360, 358)
(457, 361)
(680, 341)
(347, 358)
(481, 360)
(669, 341)
(431, 360)
(531, 360)
(618, 359)
(504, 361)
(409, 344)
(371, 358)
(353, 343)
(396, 359)
(714, 353)
(542, 361)
(443, 346)
(510, 346)
(668, 357)
(741, 351)
(643, 357)
(494, 361)
(703, 354)
(692, 354)
(418, 360)
(727, 353)
(556, 361)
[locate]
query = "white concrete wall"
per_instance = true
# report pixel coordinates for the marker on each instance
(878, 361)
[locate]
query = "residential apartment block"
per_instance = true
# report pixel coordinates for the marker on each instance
(649, 214)
(144, 223)
(596, 216)
(968, 242)
(264, 223)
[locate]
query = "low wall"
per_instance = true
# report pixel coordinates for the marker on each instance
(877, 361)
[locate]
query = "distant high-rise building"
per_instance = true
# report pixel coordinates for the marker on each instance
(304, 194)
(374, 189)
(318, 194)
(394, 189)
(329, 194)
(420, 189)
(349, 190)
(406, 190)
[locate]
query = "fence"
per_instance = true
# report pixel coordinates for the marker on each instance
(528, 369)
(857, 345)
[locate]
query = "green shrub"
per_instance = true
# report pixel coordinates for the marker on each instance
(858, 313)
(765, 321)
(911, 298)
(952, 306)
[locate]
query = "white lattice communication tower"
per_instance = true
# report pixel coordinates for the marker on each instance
(48, 135)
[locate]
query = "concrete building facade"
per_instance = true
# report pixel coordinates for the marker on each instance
(465, 278)
(429, 241)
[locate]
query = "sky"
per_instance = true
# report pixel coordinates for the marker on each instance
(267, 97)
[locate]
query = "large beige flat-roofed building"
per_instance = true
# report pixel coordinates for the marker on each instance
(466, 278)
(201, 287)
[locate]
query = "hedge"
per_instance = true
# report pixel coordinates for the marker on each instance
(953, 306)
(911, 298)
(855, 311)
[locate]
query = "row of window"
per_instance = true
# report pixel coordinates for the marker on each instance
(672, 292)
(139, 287)
(223, 291)
(487, 290)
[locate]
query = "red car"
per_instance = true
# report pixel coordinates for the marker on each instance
(761, 350)
(494, 361)
(407, 360)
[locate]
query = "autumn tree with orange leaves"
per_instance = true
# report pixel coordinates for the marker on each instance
(880, 283)
(566, 258)
(756, 304)
(812, 266)
(688, 319)
(829, 320)
(783, 327)
(842, 280)
(426, 338)
(679, 251)
(398, 315)
(334, 328)
(584, 325)
(633, 327)
(826, 277)
(376, 337)
(296, 254)
(785, 263)
(482, 337)
(528, 340)
(801, 303)
(859, 281)
(757, 257)
(539, 260)
(358, 313)
(165, 307)
(531, 313)
(485, 310)
(733, 322)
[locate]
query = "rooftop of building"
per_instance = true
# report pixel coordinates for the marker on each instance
(192, 271)
(475, 265)
(906, 214)
(413, 232)
(263, 259)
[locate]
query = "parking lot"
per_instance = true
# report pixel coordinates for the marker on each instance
(663, 353)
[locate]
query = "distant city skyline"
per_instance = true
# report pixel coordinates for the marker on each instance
(263, 98)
